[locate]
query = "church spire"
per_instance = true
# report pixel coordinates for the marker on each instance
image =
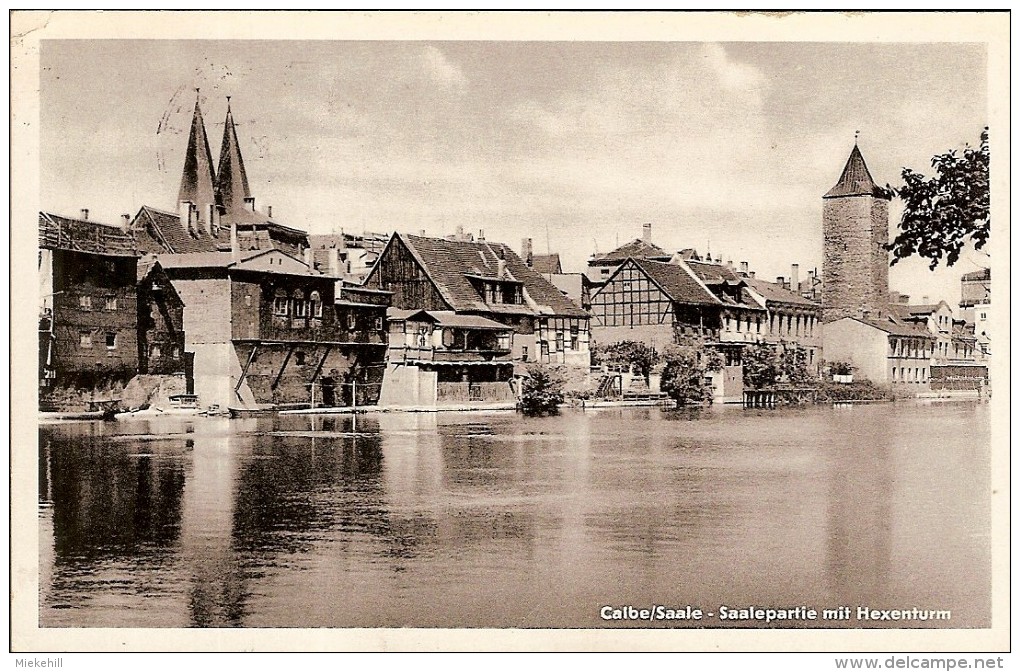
(856, 178)
(232, 181)
(197, 179)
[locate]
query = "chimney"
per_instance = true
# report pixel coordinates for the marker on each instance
(743, 267)
(309, 257)
(781, 281)
(125, 222)
(795, 277)
(334, 263)
(646, 233)
(526, 251)
(459, 234)
(729, 264)
(501, 268)
(481, 234)
(422, 233)
(249, 204)
(85, 213)
(269, 211)
(924, 299)
(751, 275)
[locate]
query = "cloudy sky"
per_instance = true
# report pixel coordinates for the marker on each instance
(574, 144)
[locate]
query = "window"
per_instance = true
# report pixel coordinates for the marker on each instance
(352, 321)
(111, 340)
(315, 301)
(524, 353)
(545, 348)
(111, 303)
(85, 302)
(559, 341)
(155, 352)
(281, 304)
(574, 338)
(604, 271)
(85, 339)
(300, 307)
(247, 300)
(176, 352)
(378, 324)
(299, 358)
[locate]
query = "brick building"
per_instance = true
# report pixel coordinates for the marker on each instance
(88, 313)
(265, 329)
(855, 228)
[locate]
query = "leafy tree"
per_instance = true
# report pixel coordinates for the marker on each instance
(542, 391)
(761, 366)
(945, 212)
(683, 377)
(793, 364)
(640, 357)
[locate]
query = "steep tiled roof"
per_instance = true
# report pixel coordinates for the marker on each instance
(716, 277)
(856, 179)
(770, 291)
(449, 262)
(231, 177)
(546, 263)
(635, 249)
(677, 282)
(81, 235)
(161, 231)
(892, 325)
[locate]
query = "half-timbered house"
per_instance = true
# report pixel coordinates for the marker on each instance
(489, 280)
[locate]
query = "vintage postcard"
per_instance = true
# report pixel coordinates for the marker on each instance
(577, 331)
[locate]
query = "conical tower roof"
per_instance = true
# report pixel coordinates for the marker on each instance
(198, 179)
(856, 179)
(232, 180)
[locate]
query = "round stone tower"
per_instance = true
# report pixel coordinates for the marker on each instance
(855, 227)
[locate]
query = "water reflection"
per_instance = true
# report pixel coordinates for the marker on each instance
(492, 520)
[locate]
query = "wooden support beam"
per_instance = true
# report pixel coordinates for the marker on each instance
(244, 371)
(283, 367)
(322, 362)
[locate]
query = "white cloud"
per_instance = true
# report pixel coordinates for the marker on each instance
(442, 70)
(732, 75)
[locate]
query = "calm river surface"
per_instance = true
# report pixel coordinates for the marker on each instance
(493, 520)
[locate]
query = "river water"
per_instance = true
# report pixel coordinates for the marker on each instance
(493, 520)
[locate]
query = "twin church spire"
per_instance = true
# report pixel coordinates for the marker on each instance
(205, 195)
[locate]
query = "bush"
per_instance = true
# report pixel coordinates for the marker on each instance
(637, 356)
(684, 376)
(859, 390)
(542, 391)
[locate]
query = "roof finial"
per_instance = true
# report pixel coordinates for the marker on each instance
(857, 134)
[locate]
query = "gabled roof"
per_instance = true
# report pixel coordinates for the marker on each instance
(254, 260)
(770, 291)
(676, 281)
(716, 276)
(546, 263)
(856, 179)
(159, 231)
(448, 264)
(635, 249)
(892, 325)
(445, 318)
(81, 235)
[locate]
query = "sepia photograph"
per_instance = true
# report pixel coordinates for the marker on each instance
(604, 326)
